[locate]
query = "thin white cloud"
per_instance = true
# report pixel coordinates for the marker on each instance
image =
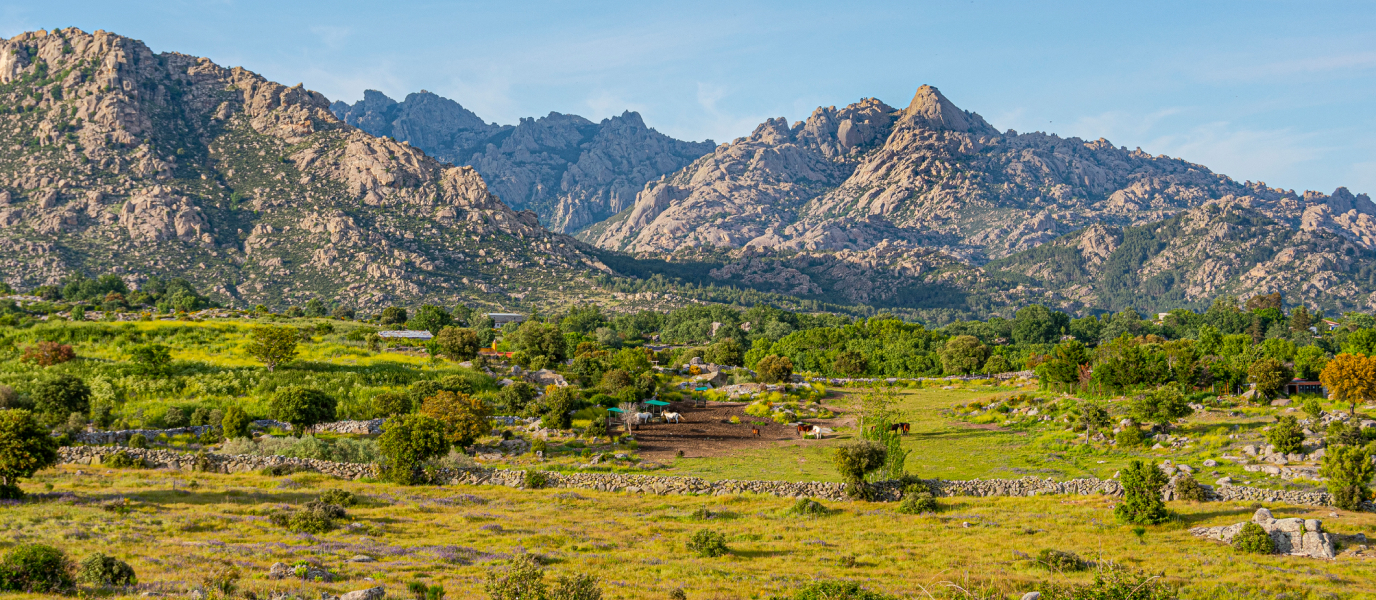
(1273, 155)
(332, 37)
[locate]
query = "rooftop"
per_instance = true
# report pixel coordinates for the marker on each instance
(406, 333)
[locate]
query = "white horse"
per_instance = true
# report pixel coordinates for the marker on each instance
(672, 417)
(644, 417)
(816, 432)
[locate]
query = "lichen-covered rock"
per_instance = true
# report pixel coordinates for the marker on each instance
(1292, 536)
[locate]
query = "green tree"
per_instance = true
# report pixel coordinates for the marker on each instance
(996, 364)
(1349, 471)
(855, 460)
(1037, 324)
(235, 423)
(584, 319)
(430, 318)
(343, 313)
(57, 398)
(1142, 505)
(542, 340)
(315, 308)
(725, 352)
(456, 343)
(1309, 362)
(1161, 406)
(151, 359)
(25, 448)
(775, 369)
(273, 345)
(850, 363)
(1362, 341)
(391, 404)
(302, 407)
(1286, 435)
(513, 399)
(963, 354)
(1093, 417)
(408, 441)
(393, 315)
(559, 402)
(465, 418)
(1270, 376)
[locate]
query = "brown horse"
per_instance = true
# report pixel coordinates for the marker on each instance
(903, 427)
(804, 429)
(755, 430)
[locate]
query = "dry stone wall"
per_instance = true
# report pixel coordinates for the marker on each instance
(656, 484)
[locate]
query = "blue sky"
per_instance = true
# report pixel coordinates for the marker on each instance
(1281, 92)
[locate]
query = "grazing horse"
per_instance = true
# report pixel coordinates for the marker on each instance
(803, 429)
(816, 432)
(755, 430)
(672, 417)
(903, 427)
(644, 417)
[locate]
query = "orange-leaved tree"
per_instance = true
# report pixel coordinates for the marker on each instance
(1350, 378)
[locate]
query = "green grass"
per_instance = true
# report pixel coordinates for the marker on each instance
(635, 543)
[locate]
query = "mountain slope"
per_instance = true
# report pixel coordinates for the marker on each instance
(114, 158)
(931, 175)
(568, 170)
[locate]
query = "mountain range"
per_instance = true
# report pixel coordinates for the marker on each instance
(114, 158)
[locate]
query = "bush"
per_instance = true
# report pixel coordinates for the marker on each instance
(1286, 435)
(1129, 437)
(173, 418)
(1113, 584)
(576, 587)
(465, 418)
(775, 369)
(25, 448)
(1349, 472)
(1313, 408)
(138, 440)
(853, 461)
(36, 569)
(708, 543)
(1187, 488)
(99, 569)
(302, 407)
(1254, 540)
(122, 460)
(838, 590)
(47, 354)
(917, 500)
(807, 507)
(1142, 505)
(315, 517)
(61, 396)
(338, 497)
(408, 442)
(235, 423)
(1057, 561)
(534, 480)
(523, 580)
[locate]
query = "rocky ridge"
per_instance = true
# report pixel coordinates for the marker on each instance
(116, 158)
(570, 171)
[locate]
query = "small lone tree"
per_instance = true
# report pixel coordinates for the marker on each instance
(235, 423)
(408, 441)
(58, 398)
(151, 359)
(302, 407)
(315, 308)
(1093, 417)
(775, 369)
(393, 315)
(465, 418)
(559, 402)
(1286, 435)
(1161, 406)
(1142, 505)
(25, 448)
(1349, 471)
(1270, 376)
(1350, 378)
(963, 354)
(856, 460)
(47, 354)
(457, 343)
(273, 345)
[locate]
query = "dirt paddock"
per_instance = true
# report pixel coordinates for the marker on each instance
(707, 432)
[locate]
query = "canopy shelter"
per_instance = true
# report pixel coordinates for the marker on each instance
(655, 407)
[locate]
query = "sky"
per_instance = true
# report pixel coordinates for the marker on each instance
(1280, 92)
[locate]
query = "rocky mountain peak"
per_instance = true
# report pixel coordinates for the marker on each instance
(929, 109)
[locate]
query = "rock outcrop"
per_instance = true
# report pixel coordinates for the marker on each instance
(1293, 536)
(568, 170)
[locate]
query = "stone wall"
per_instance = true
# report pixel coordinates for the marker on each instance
(122, 436)
(657, 484)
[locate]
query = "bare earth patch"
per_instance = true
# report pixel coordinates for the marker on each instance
(708, 432)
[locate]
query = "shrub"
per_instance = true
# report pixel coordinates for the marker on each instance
(338, 497)
(47, 354)
(35, 568)
(25, 448)
(1254, 540)
(302, 407)
(1129, 437)
(559, 402)
(273, 345)
(315, 517)
(1142, 505)
(1286, 435)
(284, 469)
(838, 590)
(1113, 584)
(138, 440)
(918, 502)
(523, 580)
(1057, 561)
(576, 587)
(235, 423)
(807, 507)
(120, 459)
(391, 404)
(534, 480)
(151, 359)
(1313, 408)
(99, 569)
(408, 442)
(708, 543)
(853, 461)
(174, 417)
(465, 418)
(1349, 471)
(1187, 488)
(775, 369)
(61, 396)
(222, 579)
(457, 343)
